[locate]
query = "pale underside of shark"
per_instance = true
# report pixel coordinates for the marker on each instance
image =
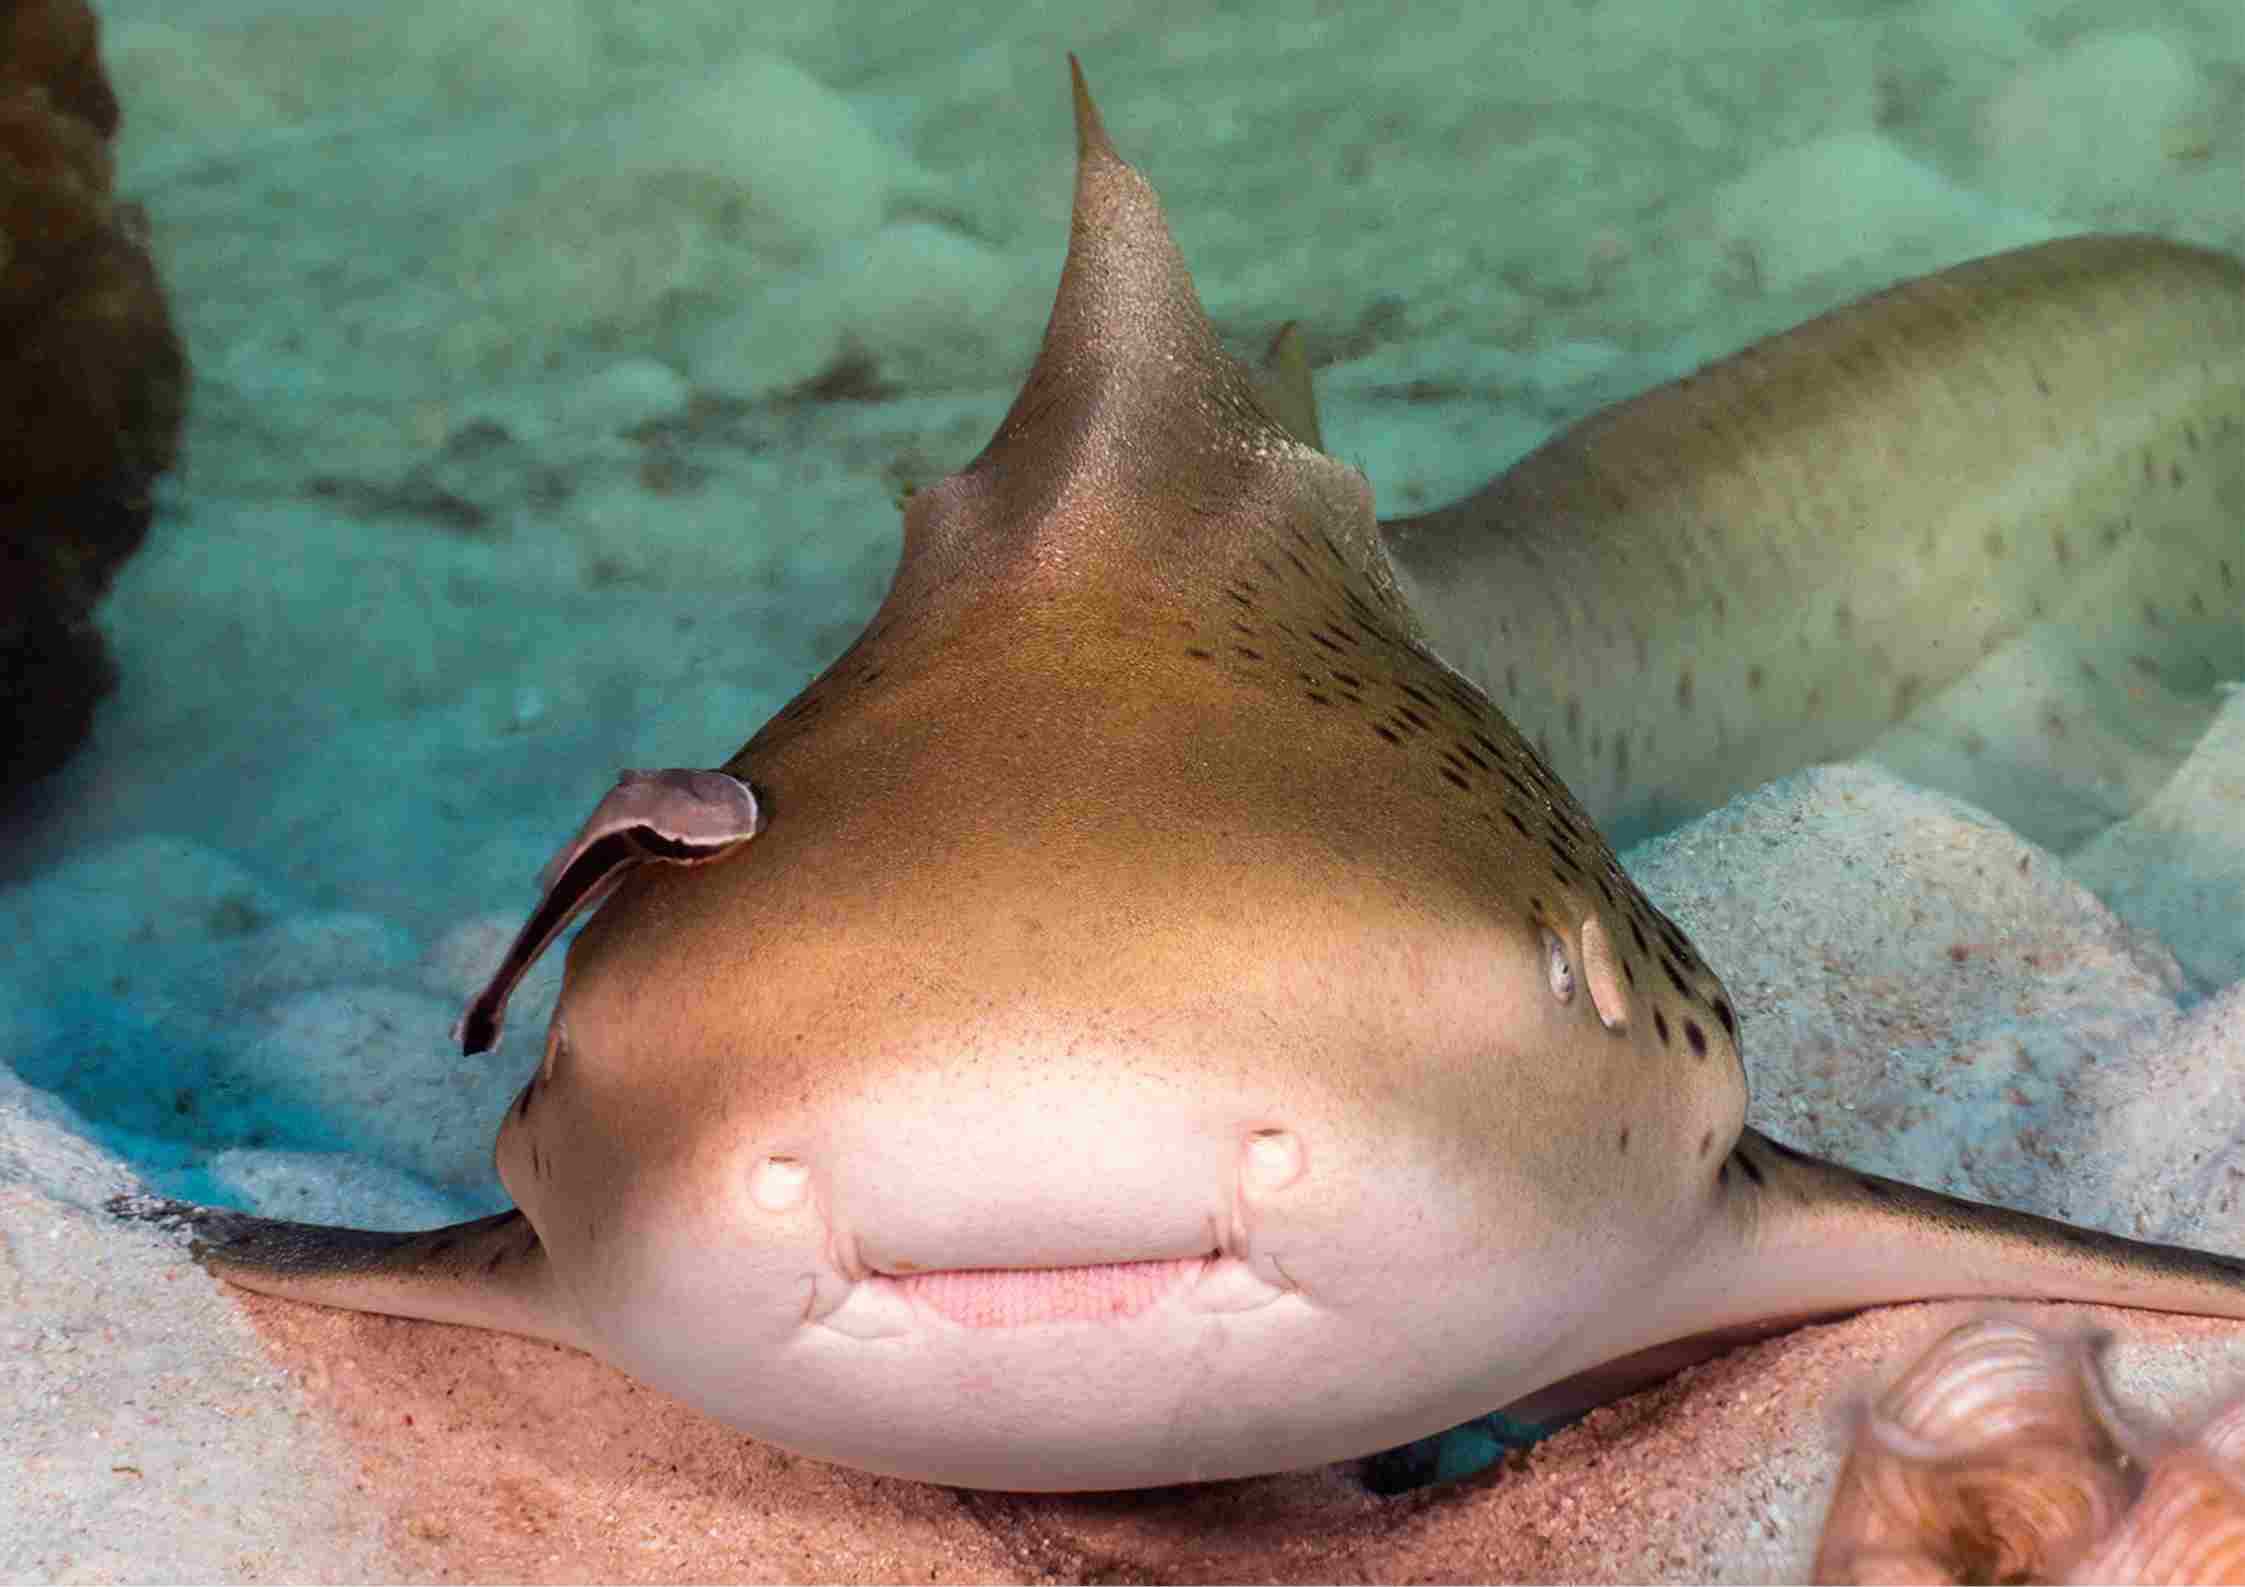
(1169, 1025)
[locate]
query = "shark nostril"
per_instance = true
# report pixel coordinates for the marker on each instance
(1556, 967)
(1274, 1159)
(777, 1184)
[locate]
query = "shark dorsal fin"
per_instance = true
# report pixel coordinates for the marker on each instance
(1134, 424)
(1286, 387)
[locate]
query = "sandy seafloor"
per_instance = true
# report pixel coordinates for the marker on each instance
(557, 373)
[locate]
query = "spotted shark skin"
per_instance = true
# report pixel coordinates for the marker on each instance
(1170, 1024)
(1788, 556)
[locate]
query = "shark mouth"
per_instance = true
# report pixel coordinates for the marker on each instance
(1009, 1297)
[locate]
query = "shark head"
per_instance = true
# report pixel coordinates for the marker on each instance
(1154, 1028)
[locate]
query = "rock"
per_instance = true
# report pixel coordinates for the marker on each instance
(92, 380)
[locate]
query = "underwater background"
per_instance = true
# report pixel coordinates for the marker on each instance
(557, 371)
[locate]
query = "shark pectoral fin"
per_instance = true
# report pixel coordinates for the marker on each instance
(1812, 1237)
(491, 1273)
(1796, 1240)
(1284, 385)
(673, 817)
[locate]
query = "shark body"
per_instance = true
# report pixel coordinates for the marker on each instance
(1168, 1024)
(1985, 524)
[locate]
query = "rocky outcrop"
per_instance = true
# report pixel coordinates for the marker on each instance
(92, 380)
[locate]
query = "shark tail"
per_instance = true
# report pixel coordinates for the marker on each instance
(489, 1273)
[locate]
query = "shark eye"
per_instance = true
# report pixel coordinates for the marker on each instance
(1556, 967)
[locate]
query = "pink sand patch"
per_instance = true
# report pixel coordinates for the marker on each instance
(1006, 1297)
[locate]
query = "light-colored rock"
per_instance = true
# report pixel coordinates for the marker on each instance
(625, 395)
(1921, 993)
(2096, 122)
(381, 1058)
(2177, 866)
(1803, 214)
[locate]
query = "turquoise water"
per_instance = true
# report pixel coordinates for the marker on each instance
(558, 371)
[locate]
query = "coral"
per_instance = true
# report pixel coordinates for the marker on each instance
(92, 379)
(2001, 1455)
(1992, 1459)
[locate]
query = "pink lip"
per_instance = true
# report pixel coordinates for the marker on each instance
(1008, 1297)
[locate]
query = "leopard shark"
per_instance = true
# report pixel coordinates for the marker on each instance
(1160, 1006)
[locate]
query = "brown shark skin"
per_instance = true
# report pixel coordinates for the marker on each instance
(1768, 563)
(1143, 784)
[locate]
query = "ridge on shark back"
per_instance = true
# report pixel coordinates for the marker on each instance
(1139, 1016)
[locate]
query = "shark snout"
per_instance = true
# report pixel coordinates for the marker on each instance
(1028, 1194)
(1045, 1207)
